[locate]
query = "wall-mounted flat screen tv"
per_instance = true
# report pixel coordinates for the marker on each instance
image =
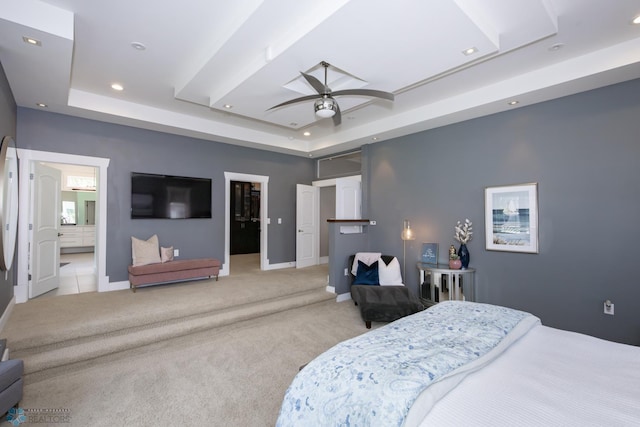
(172, 197)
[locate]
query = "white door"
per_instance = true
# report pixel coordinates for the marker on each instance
(307, 225)
(45, 247)
(349, 203)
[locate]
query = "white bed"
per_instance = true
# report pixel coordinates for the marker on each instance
(531, 376)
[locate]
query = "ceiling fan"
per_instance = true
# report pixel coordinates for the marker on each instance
(326, 105)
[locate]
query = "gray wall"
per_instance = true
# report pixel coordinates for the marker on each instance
(139, 150)
(582, 150)
(7, 127)
(584, 153)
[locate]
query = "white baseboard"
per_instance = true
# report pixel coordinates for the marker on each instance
(281, 265)
(323, 260)
(331, 289)
(343, 297)
(7, 313)
(116, 286)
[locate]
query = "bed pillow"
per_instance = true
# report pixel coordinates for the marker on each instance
(166, 254)
(389, 274)
(145, 251)
(367, 274)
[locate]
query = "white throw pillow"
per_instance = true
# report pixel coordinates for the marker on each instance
(145, 251)
(166, 254)
(390, 275)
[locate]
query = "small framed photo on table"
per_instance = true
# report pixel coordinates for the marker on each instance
(430, 253)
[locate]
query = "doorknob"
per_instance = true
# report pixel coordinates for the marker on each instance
(60, 234)
(300, 231)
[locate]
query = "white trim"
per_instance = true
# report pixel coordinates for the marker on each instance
(7, 313)
(323, 260)
(264, 198)
(281, 265)
(332, 181)
(343, 297)
(21, 290)
(330, 289)
(117, 286)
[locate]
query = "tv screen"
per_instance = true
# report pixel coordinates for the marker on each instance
(172, 197)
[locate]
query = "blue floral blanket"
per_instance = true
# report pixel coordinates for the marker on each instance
(374, 379)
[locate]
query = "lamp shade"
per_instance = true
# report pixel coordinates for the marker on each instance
(407, 232)
(325, 107)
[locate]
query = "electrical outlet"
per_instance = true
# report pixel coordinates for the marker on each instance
(346, 272)
(176, 252)
(608, 307)
(372, 223)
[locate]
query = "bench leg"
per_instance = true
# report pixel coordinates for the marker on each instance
(368, 324)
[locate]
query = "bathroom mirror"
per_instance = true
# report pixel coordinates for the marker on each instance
(8, 200)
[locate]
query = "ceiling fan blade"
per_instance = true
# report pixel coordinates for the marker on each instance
(293, 101)
(365, 92)
(317, 84)
(337, 117)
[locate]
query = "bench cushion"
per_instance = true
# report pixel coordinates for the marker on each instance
(177, 265)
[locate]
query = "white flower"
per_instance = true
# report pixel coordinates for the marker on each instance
(464, 231)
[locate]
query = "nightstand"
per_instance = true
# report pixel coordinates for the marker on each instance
(445, 283)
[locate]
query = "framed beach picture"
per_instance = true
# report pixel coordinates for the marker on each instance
(511, 218)
(430, 253)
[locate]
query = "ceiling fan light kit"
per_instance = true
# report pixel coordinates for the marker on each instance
(325, 107)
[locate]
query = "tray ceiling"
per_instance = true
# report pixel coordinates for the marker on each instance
(212, 69)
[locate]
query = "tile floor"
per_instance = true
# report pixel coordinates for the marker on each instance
(76, 277)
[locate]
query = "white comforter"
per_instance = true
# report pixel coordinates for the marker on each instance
(549, 377)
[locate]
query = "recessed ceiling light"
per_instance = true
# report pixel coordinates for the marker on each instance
(41, 105)
(556, 47)
(636, 20)
(513, 102)
(307, 133)
(31, 41)
(470, 51)
(228, 106)
(375, 138)
(117, 86)
(138, 46)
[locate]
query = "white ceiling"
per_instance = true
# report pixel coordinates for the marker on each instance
(203, 54)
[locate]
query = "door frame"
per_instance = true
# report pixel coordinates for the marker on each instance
(26, 156)
(264, 198)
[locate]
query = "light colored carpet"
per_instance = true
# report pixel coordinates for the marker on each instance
(231, 374)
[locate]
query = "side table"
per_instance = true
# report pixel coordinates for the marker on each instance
(461, 283)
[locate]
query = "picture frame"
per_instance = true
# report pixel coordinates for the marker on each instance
(430, 253)
(511, 218)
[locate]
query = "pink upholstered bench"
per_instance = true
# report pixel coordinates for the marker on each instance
(173, 271)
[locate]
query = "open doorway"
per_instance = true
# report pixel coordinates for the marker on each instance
(77, 235)
(245, 196)
(245, 230)
(28, 158)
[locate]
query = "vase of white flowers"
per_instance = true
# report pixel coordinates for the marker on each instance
(464, 232)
